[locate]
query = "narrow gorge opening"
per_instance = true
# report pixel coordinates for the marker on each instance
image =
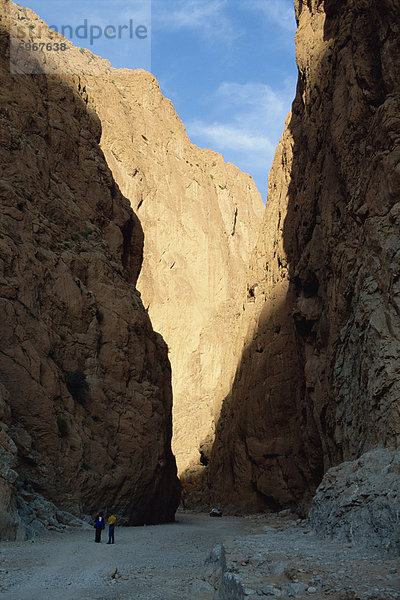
(280, 322)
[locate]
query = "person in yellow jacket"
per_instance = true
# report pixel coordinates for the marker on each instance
(111, 526)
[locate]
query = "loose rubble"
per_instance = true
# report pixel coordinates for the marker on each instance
(286, 559)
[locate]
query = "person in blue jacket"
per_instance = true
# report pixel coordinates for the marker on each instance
(99, 526)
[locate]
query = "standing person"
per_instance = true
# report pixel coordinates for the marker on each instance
(111, 526)
(99, 526)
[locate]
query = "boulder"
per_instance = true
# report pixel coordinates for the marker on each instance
(359, 501)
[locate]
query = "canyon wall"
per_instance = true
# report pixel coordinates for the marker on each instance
(299, 375)
(200, 218)
(85, 382)
(316, 371)
(74, 268)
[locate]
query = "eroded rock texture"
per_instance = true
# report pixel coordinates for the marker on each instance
(200, 218)
(318, 375)
(359, 501)
(8, 459)
(71, 250)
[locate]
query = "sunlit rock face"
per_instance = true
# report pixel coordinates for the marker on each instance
(87, 133)
(86, 398)
(200, 218)
(316, 368)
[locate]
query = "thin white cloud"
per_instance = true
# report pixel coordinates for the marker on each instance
(228, 137)
(140, 13)
(255, 111)
(246, 124)
(255, 102)
(207, 17)
(279, 12)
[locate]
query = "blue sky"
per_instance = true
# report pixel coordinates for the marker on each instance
(227, 65)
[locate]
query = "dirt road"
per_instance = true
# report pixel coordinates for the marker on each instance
(162, 562)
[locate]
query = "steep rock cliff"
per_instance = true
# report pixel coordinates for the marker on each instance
(200, 218)
(317, 377)
(87, 400)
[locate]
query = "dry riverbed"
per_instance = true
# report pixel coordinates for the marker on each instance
(271, 557)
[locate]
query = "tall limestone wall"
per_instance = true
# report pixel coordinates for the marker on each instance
(316, 371)
(85, 382)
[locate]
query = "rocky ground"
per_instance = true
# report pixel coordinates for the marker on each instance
(154, 563)
(283, 558)
(265, 556)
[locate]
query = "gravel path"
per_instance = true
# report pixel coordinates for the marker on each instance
(162, 562)
(272, 556)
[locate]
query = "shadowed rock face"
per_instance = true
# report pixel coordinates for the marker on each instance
(200, 218)
(317, 378)
(8, 459)
(71, 251)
